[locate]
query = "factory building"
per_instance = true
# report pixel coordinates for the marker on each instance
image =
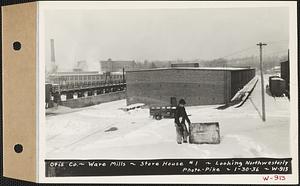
(116, 66)
(83, 79)
(198, 86)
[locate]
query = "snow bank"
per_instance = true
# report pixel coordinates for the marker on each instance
(244, 92)
(133, 106)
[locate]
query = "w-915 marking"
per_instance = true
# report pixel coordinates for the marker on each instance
(274, 178)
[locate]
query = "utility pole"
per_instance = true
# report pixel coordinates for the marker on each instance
(262, 81)
(123, 75)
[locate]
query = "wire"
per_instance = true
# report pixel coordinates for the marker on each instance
(268, 54)
(278, 52)
(237, 52)
(278, 41)
(247, 49)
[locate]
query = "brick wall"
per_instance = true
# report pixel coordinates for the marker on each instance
(197, 87)
(240, 78)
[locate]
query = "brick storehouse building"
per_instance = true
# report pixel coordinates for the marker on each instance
(198, 86)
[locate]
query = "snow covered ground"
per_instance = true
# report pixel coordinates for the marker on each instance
(105, 131)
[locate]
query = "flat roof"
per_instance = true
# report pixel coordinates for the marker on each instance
(75, 73)
(193, 68)
(285, 61)
(121, 61)
(83, 73)
(278, 78)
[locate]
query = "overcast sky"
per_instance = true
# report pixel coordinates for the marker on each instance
(162, 34)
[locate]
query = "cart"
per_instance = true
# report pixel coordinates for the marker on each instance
(162, 112)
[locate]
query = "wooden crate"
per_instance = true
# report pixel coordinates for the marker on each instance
(201, 133)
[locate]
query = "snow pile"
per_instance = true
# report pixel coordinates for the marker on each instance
(245, 91)
(82, 134)
(133, 106)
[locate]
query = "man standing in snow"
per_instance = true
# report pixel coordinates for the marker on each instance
(180, 117)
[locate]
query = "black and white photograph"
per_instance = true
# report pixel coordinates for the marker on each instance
(167, 82)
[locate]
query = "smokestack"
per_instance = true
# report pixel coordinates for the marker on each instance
(52, 51)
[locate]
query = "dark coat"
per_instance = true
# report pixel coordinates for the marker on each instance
(180, 112)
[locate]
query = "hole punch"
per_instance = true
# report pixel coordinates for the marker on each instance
(18, 148)
(17, 45)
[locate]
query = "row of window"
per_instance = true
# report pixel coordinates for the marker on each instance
(62, 82)
(85, 77)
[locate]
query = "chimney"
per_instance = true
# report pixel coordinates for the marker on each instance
(52, 51)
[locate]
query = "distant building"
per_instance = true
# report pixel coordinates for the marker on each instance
(80, 66)
(198, 86)
(185, 65)
(116, 66)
